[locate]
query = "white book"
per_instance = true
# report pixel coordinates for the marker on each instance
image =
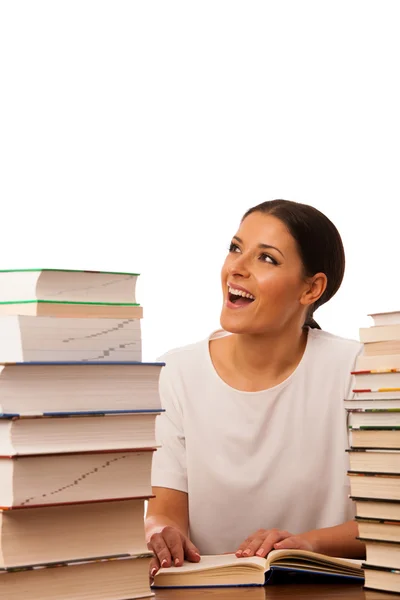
(386, 318)
(116, 579)
(378, 362)
(30, 338)
(71, 433)
(377, 381)
(42, 388)
(53, 534)
(373, 417)
(380, 333)
(371, 403)
(29, 481)
(374, 460)
(374, 395)
(375, 485)
(67, 285)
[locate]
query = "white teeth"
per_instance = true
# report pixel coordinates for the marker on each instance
(240, 293)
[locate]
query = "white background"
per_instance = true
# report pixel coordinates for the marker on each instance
(134, 135)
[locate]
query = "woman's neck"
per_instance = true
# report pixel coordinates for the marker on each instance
(267, 357)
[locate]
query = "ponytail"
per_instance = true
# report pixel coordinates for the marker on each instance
(309, 322)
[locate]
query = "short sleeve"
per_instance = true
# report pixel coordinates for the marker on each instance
(169, 461)
(348, 392)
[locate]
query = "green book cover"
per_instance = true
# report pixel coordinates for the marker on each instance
(70, 302)
(67, 271)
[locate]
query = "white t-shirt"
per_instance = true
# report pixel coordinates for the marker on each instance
(256, 460)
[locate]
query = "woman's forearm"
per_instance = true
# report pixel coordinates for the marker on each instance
(169, 508)
(337, 541)
(156, 523)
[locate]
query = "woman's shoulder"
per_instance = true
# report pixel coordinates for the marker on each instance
(189, 354)
(327, 345)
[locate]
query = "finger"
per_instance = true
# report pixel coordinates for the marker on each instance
(244, 545)
(174, 541)
(191, 552)
(272, 538)
(290, 542)
(253, 546)
(158, 545)
(154, 566)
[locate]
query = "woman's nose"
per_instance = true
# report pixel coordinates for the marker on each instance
(240, 266)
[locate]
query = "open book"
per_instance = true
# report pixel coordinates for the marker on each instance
(228, 570)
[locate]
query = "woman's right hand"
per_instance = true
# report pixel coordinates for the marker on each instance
(170, 547)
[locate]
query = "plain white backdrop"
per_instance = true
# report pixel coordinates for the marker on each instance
(135, 134)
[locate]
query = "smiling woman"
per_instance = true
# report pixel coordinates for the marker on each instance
(254, 434)
(306, 233)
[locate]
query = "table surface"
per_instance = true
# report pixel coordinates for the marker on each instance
(353, 591)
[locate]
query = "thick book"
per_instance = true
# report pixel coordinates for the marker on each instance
(108, 579)
(67, 478)
(381, 380)
(382, 553)
(67, 285)
(373, 417)
(382, 349)
(228, 570)
(371, 508)
(382, 333)
(379, 486)
(380, 394)
(77, 433)
(375, 437)
(28, 338)
(385, 360)
(374, 460)
(57, 387)
(369, 404)
(381, 578)
(379, 529)
(54, 534)
(75, 310)
(386, 318)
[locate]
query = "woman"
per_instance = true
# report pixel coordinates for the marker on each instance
(254, 434)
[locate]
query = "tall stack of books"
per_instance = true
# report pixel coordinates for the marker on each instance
(77, 435)
(374, 423)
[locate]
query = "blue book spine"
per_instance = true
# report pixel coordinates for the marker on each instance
(89, 413)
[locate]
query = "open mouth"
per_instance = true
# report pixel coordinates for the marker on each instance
(239, 297)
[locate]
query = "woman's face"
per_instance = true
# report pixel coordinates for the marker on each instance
(263, 263)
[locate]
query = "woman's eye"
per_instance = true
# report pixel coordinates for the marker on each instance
(234, 248)
(268, 258)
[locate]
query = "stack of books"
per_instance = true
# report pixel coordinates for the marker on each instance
(374, 453)
(77, 435)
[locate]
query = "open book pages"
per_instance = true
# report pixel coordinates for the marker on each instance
(227, 569)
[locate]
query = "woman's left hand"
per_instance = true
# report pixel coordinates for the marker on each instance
(264, 540)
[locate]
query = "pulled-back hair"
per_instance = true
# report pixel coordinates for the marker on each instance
(318, 241)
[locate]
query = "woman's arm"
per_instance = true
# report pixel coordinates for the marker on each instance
(166, 526)
(169, 507)
(334, 541)
(339, 540)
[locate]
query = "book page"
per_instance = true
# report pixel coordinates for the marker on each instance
(218, 561)
(306, 557)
